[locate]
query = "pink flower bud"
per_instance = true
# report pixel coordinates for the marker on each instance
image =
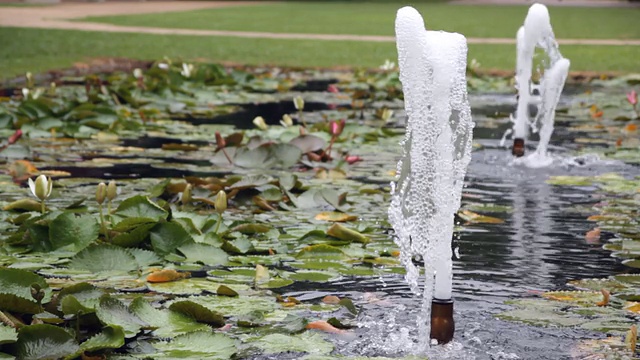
(352, 159)
(632, 97)
(15, 137)
(336, 127)
(332, 88)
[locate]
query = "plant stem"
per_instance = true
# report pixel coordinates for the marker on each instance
(218, 223)
(42, 206)
(102, 224)
(5, 320)
(227, 156)
(302, 119)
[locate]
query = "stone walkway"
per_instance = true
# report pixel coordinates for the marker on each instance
(59, 16)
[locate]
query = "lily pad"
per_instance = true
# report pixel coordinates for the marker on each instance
(104, 258)
(16, 291)
(44, 341)
(307, 342)
(112, 311)
(198, 345)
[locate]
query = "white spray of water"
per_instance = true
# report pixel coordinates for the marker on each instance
(436, 152)
(537, 32)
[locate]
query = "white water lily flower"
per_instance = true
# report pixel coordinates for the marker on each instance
(298, 102)
(286, 121)
(388, 65)
(260, 123)
(25, 93)
(163, 66)
(187, 69)
(41, 188)
(137, 73)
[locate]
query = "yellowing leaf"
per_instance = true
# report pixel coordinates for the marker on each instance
(335, 216)
(476, 218)
(166, 275)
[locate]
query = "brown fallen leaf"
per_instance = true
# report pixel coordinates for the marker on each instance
(325, 326)
(593, 236)
(605, 298)
(331, 299)
(166, 275)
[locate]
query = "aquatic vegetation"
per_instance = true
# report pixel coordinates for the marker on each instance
(168, 271)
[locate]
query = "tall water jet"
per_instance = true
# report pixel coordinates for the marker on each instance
(436, 152)
(537, 32)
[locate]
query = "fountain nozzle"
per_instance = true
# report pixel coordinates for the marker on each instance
(442, 325)
(518, 147)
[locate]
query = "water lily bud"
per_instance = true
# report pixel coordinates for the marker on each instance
(101, 193)
(298, 102)
(286, 120)
(42, 187)
(163, 66)
(25, 93)
(29, 77)
(386, 114)
(186, 195)
(221, 202)
(112, 190)
(220, 141)
(137, 73)
(632, 97)
(260, 123)
(336, 127)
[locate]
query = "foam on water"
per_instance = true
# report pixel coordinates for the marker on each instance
(436, 152)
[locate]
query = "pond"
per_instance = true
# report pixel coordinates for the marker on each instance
(263, 275)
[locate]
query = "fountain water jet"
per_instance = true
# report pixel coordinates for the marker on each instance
(537, 32)
(436, 152)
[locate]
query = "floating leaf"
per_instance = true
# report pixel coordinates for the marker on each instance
(324, 326)
(205, 254)
(476, 218)
(141, 207)
(111, 337)
(577, 297)
(79, 298)
(197, 345)
(198, 312)
(167, 237)
(224, 290)
(343, 233)
(166, 275)
(15, 291)
(7, 335)
(73, 232)
(322, 251)
(312, 343)
(184, 287)
(335, 216)
(112, 311)
(104, 258)
(167, 323)
(24, 205)
(251, 228)
(44, 341)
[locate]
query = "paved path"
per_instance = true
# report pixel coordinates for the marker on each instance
(58, 16)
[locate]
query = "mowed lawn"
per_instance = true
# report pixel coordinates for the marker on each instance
(365, 18)
(38, 50)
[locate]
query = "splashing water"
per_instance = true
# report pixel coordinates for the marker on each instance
(436, 152)
(537, 32)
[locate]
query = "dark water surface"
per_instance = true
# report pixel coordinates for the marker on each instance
(540, 247)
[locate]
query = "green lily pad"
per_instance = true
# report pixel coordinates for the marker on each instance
(198, 345)
(198, 312)
(167, 323)
(141, 207)
(73, 232)
(15, 291)
(205, 254)
(307, 342)
(190, 286)
(44, 341)
(112, 311)
(7, 335)
(167, 237)
(111, 337)
(79, 298)
(104, 258)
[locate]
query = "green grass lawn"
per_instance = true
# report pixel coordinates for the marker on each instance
(39, 50)
(378, 18)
